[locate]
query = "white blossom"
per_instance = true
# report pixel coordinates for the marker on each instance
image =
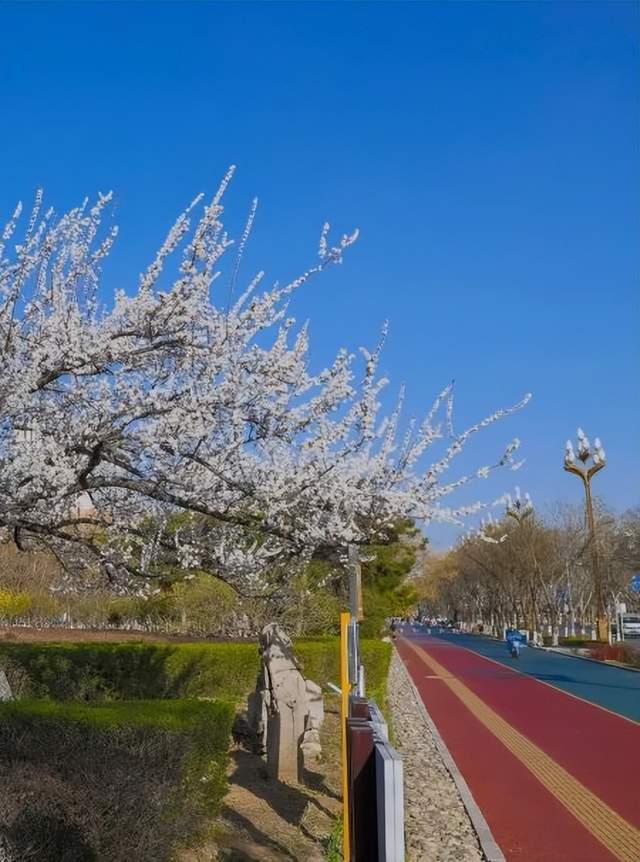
(175, 399)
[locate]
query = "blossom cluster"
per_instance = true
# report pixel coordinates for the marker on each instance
(173, 399)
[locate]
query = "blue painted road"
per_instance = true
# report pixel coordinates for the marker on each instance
(614, 688)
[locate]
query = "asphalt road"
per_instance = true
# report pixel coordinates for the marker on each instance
(613, 688)
(548, 744)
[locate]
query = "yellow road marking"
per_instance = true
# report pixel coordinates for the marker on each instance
(619, 836)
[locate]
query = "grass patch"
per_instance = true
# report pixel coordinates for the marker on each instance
(333, 848)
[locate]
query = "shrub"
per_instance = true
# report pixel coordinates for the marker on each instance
(320, 658)
(571, 641)
(14, 604)
(127, 671)
(577, 641)
(120, 609)
(201, 603)
(89, 782)
(309, 607)
(84, 783)
(615, 652)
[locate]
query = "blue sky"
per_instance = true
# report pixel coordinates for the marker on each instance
(487, 151)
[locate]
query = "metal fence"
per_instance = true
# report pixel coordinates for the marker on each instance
(376, 794)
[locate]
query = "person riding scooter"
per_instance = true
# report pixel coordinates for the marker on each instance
(515, 642)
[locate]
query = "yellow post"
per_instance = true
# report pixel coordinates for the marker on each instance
(345, 688)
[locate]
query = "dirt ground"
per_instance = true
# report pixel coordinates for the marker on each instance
(262, 820)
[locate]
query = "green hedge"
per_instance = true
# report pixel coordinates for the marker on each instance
(547, 640)
(128, 671)
(110, 756)
(85, 782)
(320, 658)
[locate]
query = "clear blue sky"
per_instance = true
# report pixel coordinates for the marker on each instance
(487, 151)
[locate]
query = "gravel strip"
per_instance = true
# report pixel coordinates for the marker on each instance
(437, 827)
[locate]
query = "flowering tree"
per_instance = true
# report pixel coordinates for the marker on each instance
(180, 404)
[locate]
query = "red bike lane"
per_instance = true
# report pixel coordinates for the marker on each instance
(555, 777)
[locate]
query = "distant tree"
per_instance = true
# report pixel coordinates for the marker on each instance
(387, 589)
(534, 570)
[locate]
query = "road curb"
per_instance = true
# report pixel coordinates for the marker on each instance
(560, 651)
(488, 843)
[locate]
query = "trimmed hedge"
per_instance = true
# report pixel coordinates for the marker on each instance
(102, 781)
(571, 641)
(320, 659)
(620, 653)
(128, 671)
(112, 758)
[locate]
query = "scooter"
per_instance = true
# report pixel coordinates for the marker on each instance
(514, 649)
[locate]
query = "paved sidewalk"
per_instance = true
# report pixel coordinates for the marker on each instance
(556, 777)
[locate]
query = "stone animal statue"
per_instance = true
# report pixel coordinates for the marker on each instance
(285, 710)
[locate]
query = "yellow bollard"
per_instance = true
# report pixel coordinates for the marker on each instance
(345, 688)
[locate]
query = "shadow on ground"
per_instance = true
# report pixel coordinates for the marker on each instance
(265, 820)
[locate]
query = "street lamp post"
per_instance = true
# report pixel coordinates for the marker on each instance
(520, 509)
(585, 464)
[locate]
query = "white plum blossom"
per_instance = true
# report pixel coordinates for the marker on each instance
(174, 399)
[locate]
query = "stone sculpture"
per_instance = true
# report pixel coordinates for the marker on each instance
(285, 710)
